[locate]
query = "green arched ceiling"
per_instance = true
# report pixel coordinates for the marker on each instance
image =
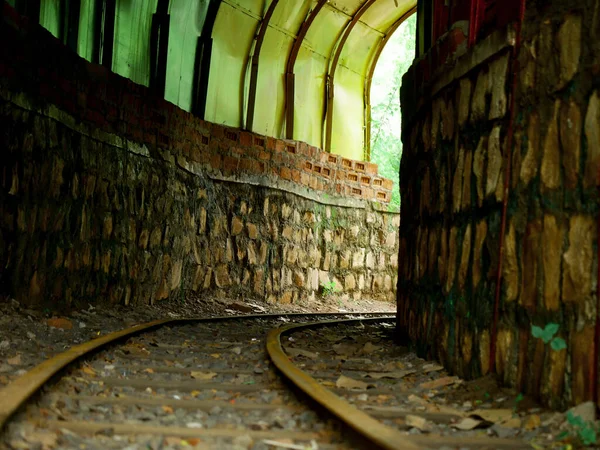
(349, 32)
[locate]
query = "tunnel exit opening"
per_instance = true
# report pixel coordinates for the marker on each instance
(385, 145)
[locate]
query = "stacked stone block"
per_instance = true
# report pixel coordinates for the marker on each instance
(110, 194)
(453, 176)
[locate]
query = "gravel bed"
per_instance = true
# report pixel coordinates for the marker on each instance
(199, 378)
(421, 398)
(29, 336)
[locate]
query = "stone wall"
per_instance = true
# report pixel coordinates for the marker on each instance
(111, 194)
(455, 171)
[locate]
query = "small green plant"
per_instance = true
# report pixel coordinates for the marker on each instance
(518, 399)
(329, 288)
(547, 333)
(584, 431)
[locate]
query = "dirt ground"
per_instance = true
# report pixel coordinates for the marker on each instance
(419, 397)
(28, 336)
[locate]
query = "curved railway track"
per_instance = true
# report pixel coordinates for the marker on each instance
(238, 382)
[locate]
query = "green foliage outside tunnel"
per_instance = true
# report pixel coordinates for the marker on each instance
(386, 146)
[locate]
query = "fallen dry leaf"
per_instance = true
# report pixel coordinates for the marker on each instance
(240, 306)
(295, 352)
(493, 415)
(468, 423)
(148, 370)
(432, 368)
(417, 422)
(359, 360)
(350, 383)
(261, 425)
(416, 399)
(344, 349)
(167, 409)
(60, 322)
(438, 383)
(88, 370)
(319, 366)
(47, 439)
(284, 443)
(392, 366)
(369, 348)
(434, 407)
(14, 361)
(532, 422)
(393, 375)
(515, 422)
(203, 375)
(134, 349)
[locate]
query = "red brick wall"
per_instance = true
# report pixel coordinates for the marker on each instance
(113, 104)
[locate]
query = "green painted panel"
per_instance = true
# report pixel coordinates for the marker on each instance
(131, 54)
(311, 74)
(233, 35)
(309, 97)
(269, 114)
(348, 115)
(359, 46)
(50, 16)
(85, 40)
(347, 6)
(289, 14)
(325, 31)
(183, 40)
(383, 13)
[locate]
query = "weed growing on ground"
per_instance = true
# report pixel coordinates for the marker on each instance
(518, 400)
(329, 288)
(584, 431)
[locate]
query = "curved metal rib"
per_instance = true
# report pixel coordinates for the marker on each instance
(331, 75)
(388, 34)
(264, 25)
(289, 72)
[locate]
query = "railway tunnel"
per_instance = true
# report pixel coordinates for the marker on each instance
(156, 147)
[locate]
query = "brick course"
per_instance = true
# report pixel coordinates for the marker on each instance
(110, 194)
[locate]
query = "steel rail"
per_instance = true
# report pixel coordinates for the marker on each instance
(15, 394)
(376, 432)
(379, 435)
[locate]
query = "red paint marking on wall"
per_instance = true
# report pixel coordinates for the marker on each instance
(594, 364)
(509, 141)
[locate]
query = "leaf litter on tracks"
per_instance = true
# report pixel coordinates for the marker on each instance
(350, 383)
(198, 375)
(393, 375)
(295, 352)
